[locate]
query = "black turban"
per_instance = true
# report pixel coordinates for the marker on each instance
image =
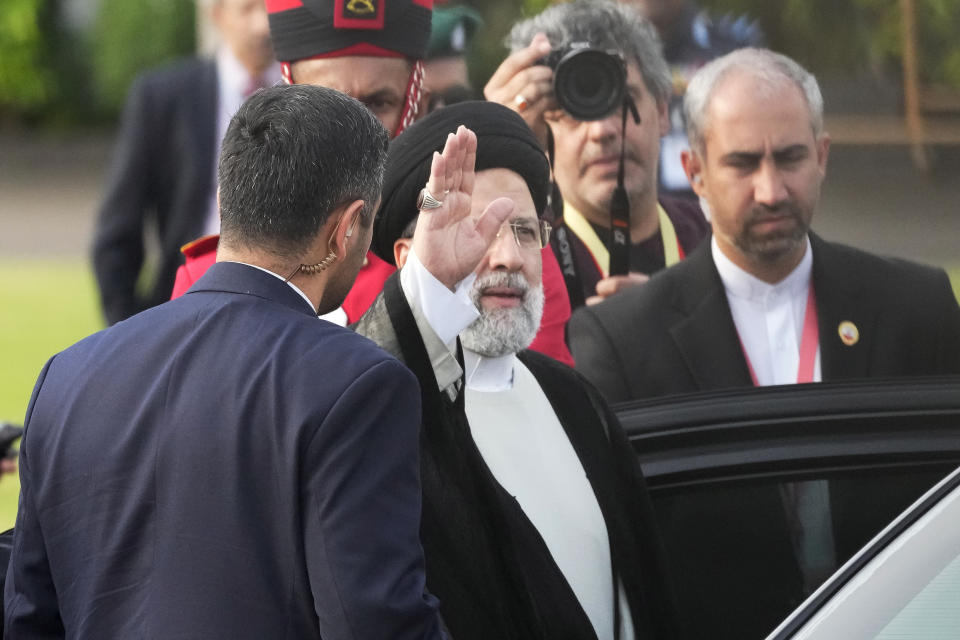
(503, 141)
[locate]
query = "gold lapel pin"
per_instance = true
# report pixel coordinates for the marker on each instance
(849, 334)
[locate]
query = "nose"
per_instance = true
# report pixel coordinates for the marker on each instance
(604, 129)
(504, 254)
(769, 188)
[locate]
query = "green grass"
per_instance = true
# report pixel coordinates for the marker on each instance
(45, 306)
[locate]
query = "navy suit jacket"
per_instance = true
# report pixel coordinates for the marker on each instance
(224, 465)
(676, 334)
(162, 178)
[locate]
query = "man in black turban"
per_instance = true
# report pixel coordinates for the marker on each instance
(536, 521)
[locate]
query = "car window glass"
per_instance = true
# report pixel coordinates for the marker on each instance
(744, 553)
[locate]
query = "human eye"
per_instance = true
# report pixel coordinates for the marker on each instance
(792, 156)
(743, 162)
(380, 103)
(526, 233)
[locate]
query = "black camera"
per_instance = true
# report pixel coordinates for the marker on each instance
(589, 83)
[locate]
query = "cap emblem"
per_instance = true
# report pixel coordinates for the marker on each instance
(358, 14)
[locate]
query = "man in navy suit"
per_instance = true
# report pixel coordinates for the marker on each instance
(279, 497)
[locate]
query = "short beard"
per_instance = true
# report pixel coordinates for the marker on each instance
(771, 248)
(498, 332)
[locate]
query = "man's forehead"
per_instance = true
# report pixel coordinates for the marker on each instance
(757, 115)
(356, 76)
(635, 79)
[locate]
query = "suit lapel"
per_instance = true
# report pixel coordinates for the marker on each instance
(841, 303)
(705, 333)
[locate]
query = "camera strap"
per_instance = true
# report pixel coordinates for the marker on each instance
(559, 239)
(619, 241)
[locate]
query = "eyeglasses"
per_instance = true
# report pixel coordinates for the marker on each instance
(529, 234)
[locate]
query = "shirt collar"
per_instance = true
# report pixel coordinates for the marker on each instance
(484, 373)
(279, 277)
(741, 284)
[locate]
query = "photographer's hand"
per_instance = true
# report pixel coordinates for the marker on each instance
(612, 285)
(525, 86)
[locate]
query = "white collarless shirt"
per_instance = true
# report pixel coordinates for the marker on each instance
(769, 317)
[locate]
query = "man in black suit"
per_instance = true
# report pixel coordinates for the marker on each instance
(279, 497)
(767, 301)
(163, 179)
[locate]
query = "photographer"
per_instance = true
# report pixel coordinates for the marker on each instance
(587, 152)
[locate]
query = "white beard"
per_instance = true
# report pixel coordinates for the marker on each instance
(498, 332)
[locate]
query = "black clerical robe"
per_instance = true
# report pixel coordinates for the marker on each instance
(486, 562)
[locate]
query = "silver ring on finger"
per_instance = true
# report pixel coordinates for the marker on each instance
(426, 201)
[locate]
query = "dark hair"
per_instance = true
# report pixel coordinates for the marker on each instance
(291, 155)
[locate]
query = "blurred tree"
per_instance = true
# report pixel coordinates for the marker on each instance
(841, 36)
(851, 36)
(26, 83)
(130, 37)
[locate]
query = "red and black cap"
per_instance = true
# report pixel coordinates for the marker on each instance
(329, 28)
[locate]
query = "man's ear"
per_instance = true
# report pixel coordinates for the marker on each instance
(401, 249)
(693, 167)
(348, 219)
(823, 152)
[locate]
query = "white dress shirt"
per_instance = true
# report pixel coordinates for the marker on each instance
(522, 443)
(769, 317)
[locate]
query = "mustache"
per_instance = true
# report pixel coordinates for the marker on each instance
(511, 279)
(758, 213)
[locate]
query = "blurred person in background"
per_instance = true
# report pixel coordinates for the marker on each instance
(447, 76)
(586, 153)
(375, 57)
(691, 38)
(162, 183)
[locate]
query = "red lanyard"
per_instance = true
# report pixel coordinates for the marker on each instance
(809, 341)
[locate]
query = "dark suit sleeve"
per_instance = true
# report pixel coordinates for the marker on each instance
(362, 512)
(596, 355)
(118, 241)
(31, 609)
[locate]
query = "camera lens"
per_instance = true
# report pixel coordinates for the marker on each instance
(589, 83)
